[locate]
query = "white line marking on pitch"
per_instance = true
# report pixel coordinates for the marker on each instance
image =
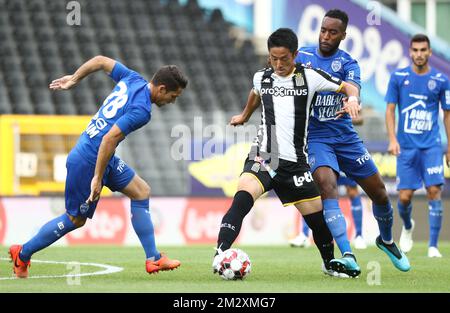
(107, 269)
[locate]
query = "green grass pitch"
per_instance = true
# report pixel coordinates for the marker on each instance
(274, 269)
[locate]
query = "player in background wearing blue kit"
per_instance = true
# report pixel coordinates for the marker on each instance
(302, 239)
(92, 164)
(334, 146)
(417, 91)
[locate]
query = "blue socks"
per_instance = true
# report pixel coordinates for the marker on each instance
(405, 214)
(357, 214)
(305, 228)
(336, 224)
(60, 226)
(48, 234)
(143, 226)
(383, 215)
(435, 219)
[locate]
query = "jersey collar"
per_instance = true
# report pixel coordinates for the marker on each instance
(430, 69)
(287, 76)
(317, 52)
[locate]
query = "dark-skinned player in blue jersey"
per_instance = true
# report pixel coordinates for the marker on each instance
(334, 146)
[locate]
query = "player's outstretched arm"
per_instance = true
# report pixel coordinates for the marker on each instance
(93, 65)
(351, 104)
(394, 147)
(253, 102)
(105, 152)
(358, 121)
(447, 131)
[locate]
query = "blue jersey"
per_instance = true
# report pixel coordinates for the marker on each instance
(323, 123)
(417, 98)
(128, 107)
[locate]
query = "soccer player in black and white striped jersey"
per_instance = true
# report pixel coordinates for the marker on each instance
(278, 159)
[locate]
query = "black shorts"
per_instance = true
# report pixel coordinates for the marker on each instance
(293, 182)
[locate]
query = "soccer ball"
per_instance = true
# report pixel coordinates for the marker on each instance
(233, 264)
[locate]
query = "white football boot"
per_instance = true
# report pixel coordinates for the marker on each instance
(300, 241)
(359, 243)
(406, 241)
(433, 252)
(328, 271)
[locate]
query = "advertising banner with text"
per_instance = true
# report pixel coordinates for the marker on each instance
(378, 46)
(177, 221)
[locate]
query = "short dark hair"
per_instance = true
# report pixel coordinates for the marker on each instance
(340, 15)
(171, 77)
(420, 38)
(283, 37)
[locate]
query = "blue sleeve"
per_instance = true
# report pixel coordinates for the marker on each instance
(444, 95)
(132, 120)
(392, 95)
(353, 72)
(120, 72)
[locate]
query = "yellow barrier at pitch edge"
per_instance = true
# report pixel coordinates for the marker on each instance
(30, 134)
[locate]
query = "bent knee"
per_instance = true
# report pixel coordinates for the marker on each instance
(143, 191)
(326, 181)
(434, 192)
(78, 221)
(381, 197)
(328, 188)
(405, 196)
(404, 199)
(146, 191)
(250, 184)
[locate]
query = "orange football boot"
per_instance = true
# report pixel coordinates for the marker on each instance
(163, 264)
(20, 267)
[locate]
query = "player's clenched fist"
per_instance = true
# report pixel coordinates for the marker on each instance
(237, 120)
(394, 148)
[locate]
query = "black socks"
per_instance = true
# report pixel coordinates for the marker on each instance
(232, 221)
(321, 234)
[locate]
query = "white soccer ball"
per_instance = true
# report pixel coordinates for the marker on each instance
(233, 264)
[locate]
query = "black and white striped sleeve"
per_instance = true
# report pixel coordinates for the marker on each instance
(319, 80)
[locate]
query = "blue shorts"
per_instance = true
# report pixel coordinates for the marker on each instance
(416, 167)
(343, 180)
(78, 182)
(342, 154)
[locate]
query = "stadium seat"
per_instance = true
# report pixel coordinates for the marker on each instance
(36, 6)
(63, 103)
(5, 105)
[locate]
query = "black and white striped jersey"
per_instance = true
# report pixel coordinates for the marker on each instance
(286, 106)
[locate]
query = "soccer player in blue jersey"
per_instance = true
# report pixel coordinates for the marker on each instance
(302, 239)
(92, 163)
(334, 146)
(417, 90)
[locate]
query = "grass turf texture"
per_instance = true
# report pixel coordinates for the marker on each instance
(274, 269)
